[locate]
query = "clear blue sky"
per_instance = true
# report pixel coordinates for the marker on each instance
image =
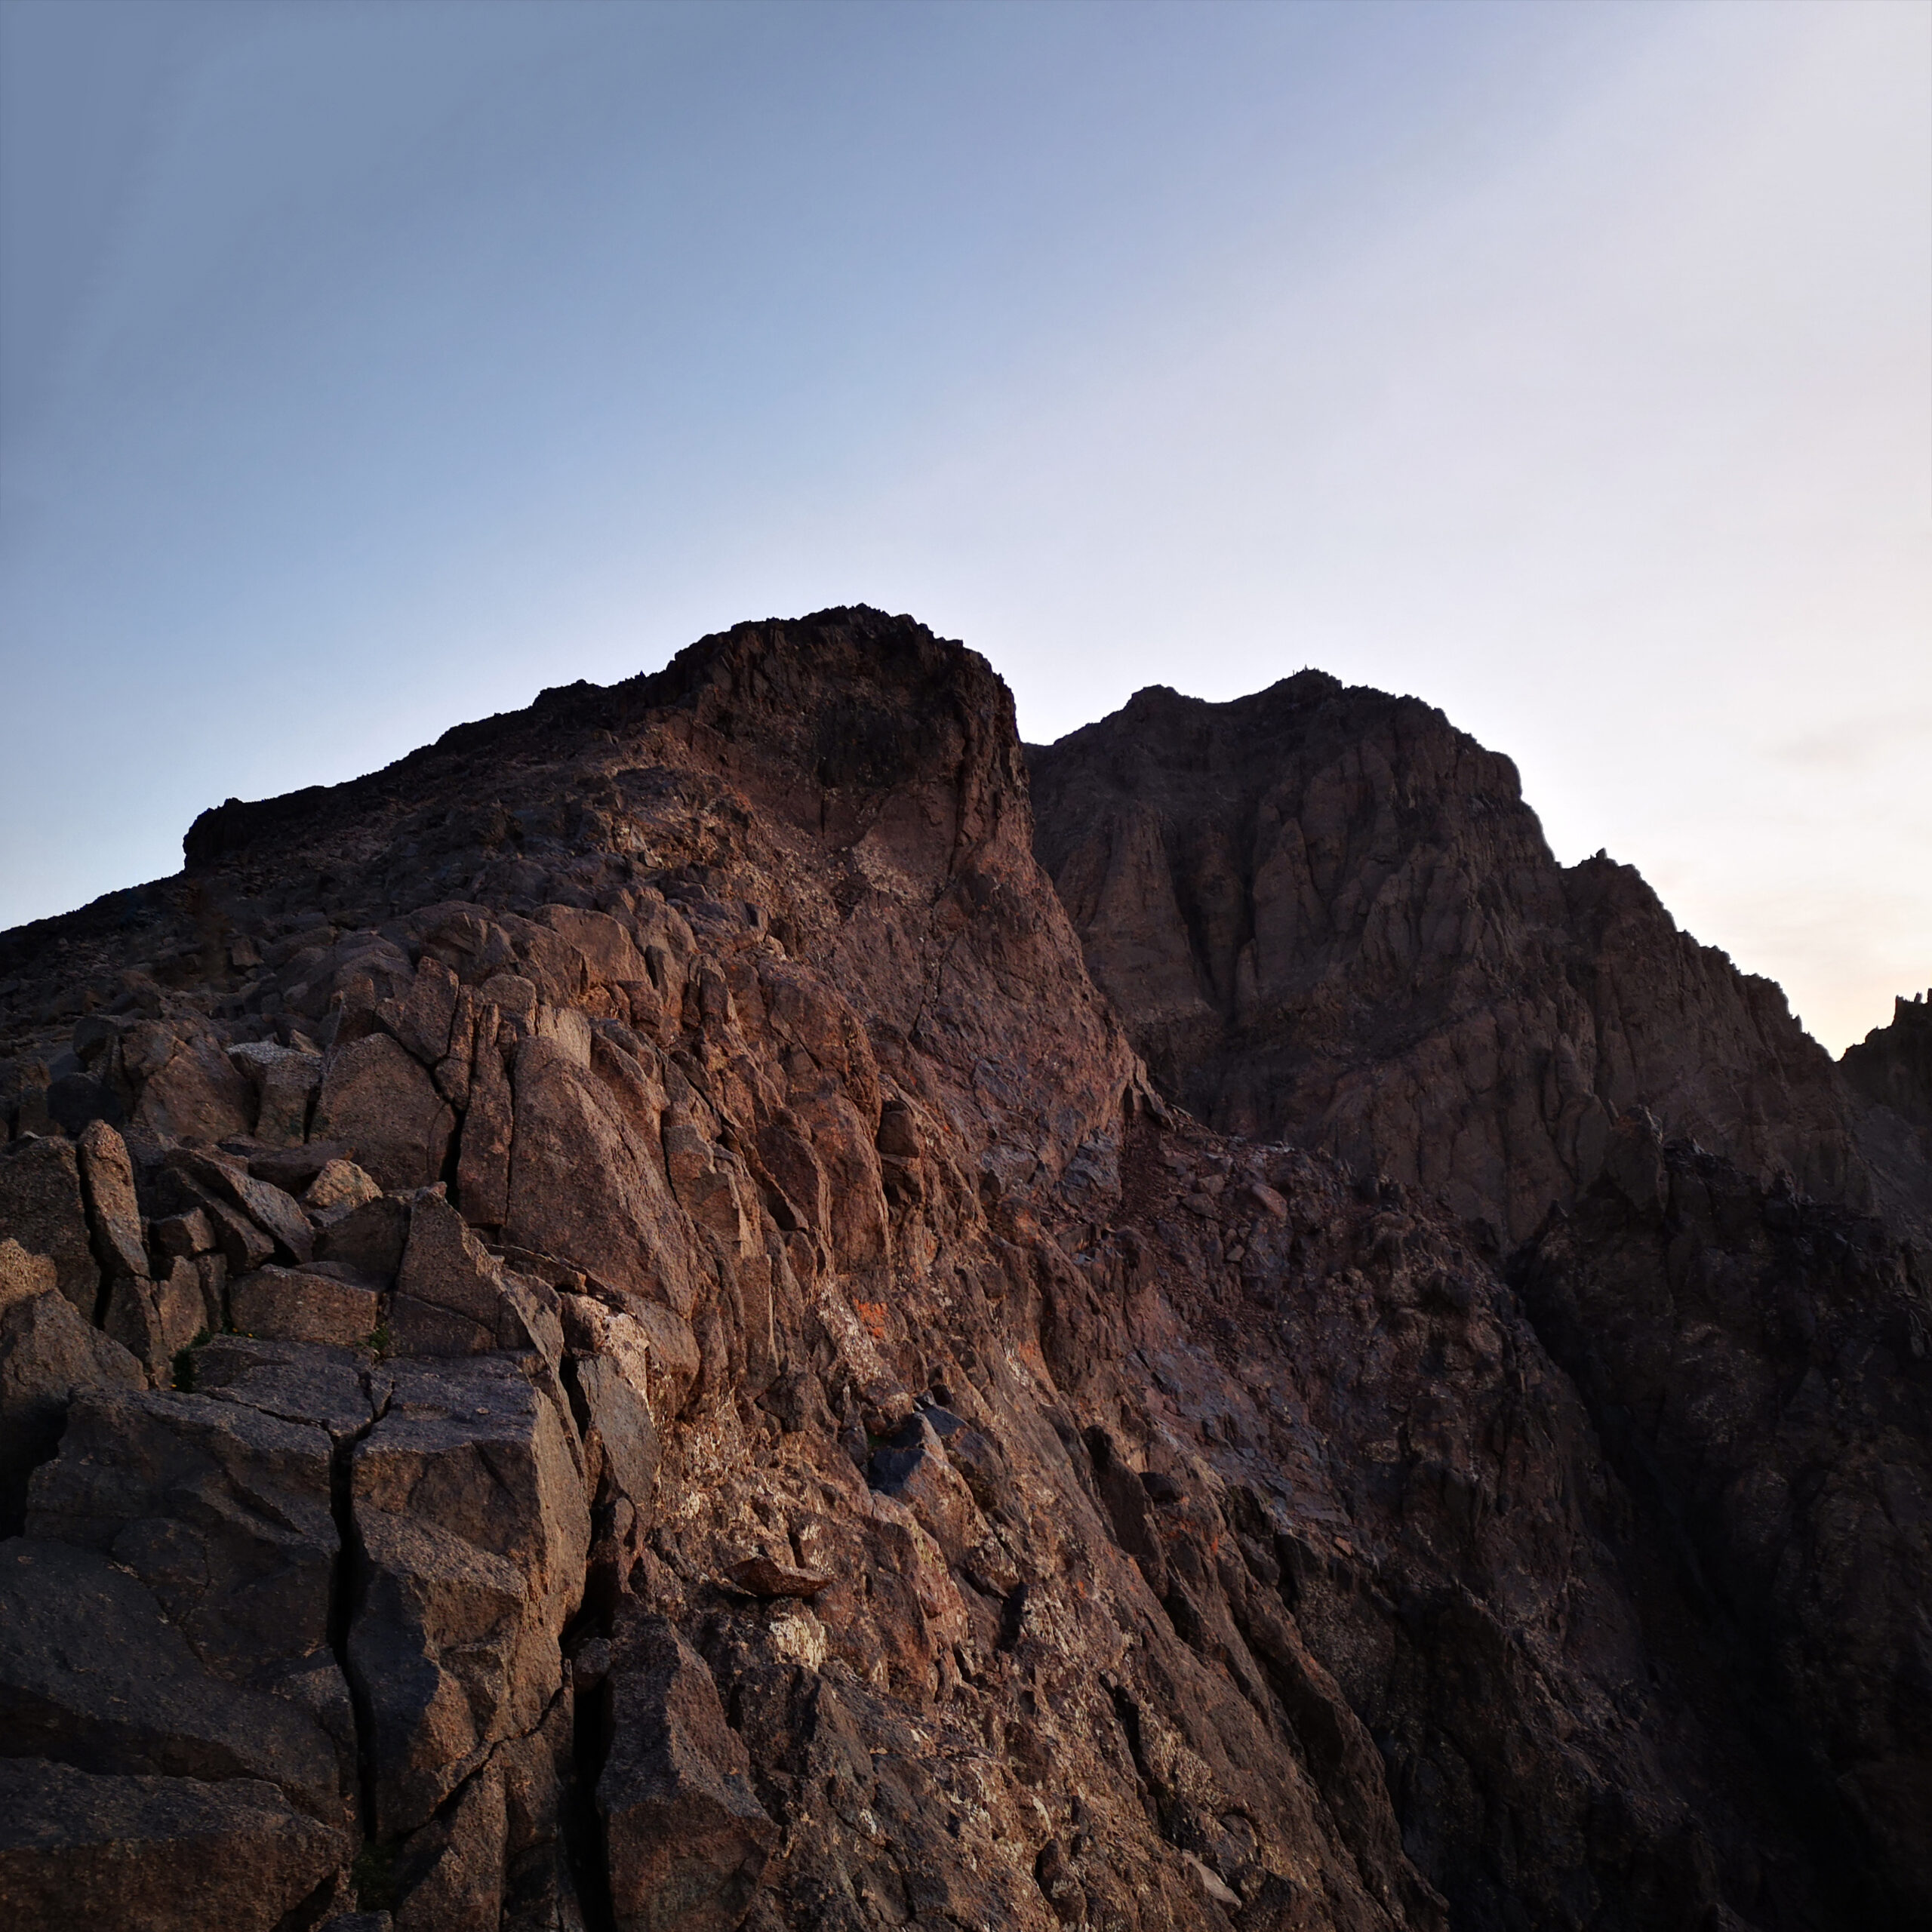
(365, 368)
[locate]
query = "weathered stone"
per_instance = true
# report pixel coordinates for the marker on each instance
(765, 1576)
(370, 1239)
(294, 1170)
(451, 1073)
(155, 1320)
(688, 1841)
(613, 1372)
(189, 1091)
(483, 1157)
(189, 1234)
(303, 1305)
(46, 1352)
(271, 1209)
(453, 1869)
(286, 1081)
(92, 1673)
(339, 1390)
(587, 1186)
(243, 1245)
(611, 957)
(213, 1271)
(448, 1289)
(339, 1187)
(421, 1020)
(474, 1529)
(163, 1854)
(107, 1181)
(222, 1510)
(375, 1096)
(24, 1275)
(41, 1207)
(913, 1468)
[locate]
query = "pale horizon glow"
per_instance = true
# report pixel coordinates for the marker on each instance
(365, 368)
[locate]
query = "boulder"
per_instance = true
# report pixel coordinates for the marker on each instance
(611, 957)
(286, 1080)
(469, 1506)
(242, 1243)
(188, 1234)
(94, 1674)
(189, 1089)
(24, 1275)
(613, 1373)
(368, 1240)
(454, 1867)
(46, 1352)
(269, 1207)
(294, 1170)
(914, 1469)
(154, 1321)
(41, 1207)
(688, 1842)
(340, 1187)
(163, 1854)
(587, 1186)
(451, 1073)
(338, 1390)
(483, 1157)
(448, 1288)
(376, 1097)
(766, 1577)
(107, 1181)
(221, 1510)
(304, 1305)
(421, 1018)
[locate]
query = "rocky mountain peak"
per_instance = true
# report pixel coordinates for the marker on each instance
(1326, 913)
(604, 1328)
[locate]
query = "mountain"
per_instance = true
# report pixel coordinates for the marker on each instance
(1328, 915)
(608, 1327)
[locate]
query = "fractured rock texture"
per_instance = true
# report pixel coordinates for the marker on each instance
(604, 1328)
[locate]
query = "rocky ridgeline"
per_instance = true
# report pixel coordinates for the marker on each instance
(603, 1328)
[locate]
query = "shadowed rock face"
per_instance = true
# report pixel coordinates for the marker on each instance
(1327, 914)
(832, 1448)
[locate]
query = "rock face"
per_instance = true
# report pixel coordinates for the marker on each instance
(1326, 913)
(721, 1394)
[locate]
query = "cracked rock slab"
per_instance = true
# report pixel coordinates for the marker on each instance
(469, 1504)
(165, 1854)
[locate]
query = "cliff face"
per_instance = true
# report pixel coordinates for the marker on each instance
(1325, 913)
(604, 1328)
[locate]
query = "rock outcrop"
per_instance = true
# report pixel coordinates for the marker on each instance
(604, 1328)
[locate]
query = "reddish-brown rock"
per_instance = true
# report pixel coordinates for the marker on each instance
(380, 1101)
(911, 1473)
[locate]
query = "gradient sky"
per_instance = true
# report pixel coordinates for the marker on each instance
(367, 367)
